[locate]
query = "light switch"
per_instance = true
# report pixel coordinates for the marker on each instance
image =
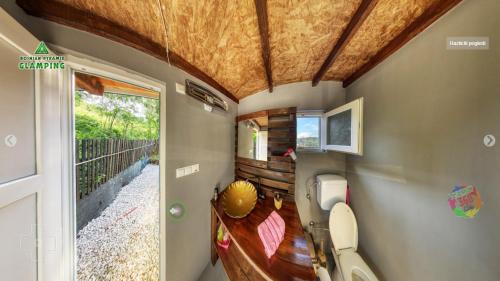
(179, 172)
(180, 88)
(186, 171)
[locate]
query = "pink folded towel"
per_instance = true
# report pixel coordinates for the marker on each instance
(271, 233)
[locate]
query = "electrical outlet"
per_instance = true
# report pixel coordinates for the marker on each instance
(196, 168)
(207, 107)
(180, 88)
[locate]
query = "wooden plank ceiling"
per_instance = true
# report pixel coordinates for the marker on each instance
(246, 46)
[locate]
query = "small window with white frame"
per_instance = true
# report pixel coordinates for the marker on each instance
(309, 126)
(340, 129)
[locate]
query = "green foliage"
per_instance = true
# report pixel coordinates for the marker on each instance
(309, 142)
(154, 157)
(116, 116)
(88, 127)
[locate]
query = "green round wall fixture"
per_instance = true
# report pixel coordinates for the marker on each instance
(177, 211)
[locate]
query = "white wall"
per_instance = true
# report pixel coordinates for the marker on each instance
(427, 110)
(327, 95)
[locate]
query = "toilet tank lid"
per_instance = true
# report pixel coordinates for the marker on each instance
(330, 178)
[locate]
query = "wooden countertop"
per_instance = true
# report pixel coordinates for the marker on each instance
(291, 261)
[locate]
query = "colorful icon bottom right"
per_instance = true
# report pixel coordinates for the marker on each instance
(465, 201)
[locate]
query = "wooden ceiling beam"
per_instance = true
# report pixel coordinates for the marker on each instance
(261, 8)
(429, 16)
(364, 9)
(67, 15)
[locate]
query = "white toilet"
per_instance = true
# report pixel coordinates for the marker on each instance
(344, 232)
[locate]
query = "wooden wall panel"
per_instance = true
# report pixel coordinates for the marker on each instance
(266, 182)
(278, 173)
(267, 173)
(251, 162)
(281, 111)
(258, 114)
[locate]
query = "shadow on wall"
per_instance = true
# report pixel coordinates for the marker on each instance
(214, 273)
(417, 151)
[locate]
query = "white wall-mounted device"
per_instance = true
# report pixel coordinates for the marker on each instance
(186, 171)
(331, 189)
(180, 88)
(206, 96)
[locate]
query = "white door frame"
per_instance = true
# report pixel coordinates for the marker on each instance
(79, 62)
(45, 183)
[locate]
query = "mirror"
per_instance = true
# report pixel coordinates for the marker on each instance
(252, 138)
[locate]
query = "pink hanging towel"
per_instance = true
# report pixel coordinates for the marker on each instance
(271, 232)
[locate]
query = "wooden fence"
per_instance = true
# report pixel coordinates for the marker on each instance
(98, 161)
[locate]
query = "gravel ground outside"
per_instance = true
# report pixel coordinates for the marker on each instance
(122, 244)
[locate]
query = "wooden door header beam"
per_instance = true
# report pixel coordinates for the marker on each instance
(261, 8)
(364, 9)
(429, 16)
(67, 15)
(89, 83)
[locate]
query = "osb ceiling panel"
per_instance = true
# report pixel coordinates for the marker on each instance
(219, 41)
(302, 33)
(145, 14)
(221, 38)
(384, 23)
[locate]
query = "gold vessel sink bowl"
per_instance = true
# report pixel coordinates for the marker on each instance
(239, 199)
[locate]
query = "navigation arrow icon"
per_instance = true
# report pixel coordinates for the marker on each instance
(489, 140)
(10, 140)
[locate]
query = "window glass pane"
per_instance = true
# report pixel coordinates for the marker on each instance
(339, 129)
(308, 132)
(17, 112)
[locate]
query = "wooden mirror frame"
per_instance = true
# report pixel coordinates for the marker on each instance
(277, 174)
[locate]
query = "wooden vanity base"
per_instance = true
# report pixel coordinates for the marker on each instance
(245, 259)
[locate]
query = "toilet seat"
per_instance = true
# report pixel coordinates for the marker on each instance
(323, 274)
(344, 233)
(343, 228)
(352, 263)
